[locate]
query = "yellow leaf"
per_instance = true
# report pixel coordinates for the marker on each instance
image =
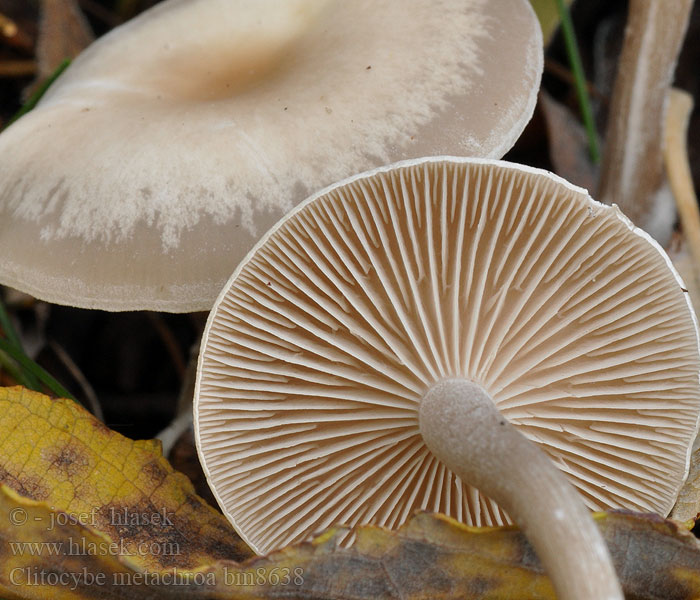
(56, 452)
(57, 464)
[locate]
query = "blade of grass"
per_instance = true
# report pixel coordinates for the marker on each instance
(7, 327)
(7, 364)
(8, 330)
(36, 96)
(584, 100)
(30, 366)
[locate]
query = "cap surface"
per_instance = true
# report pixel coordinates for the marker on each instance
(157, 160)
(322, 344)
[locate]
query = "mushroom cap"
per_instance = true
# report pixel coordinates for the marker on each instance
(156, 161)
(321, 346)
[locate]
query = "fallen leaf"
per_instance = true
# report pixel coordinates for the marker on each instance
(55, 455)
(430, 557)
(56, 452)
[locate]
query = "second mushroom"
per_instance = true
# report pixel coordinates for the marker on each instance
(455, 335)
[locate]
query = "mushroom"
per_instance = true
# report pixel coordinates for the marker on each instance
(440, 325)
(155, 162)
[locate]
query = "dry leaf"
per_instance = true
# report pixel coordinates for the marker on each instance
(431, 557)
(56, 452)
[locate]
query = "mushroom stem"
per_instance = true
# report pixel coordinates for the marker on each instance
(463, 428)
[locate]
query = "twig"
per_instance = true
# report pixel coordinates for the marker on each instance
(680, 105)
(77, 374)
(18, 68)
(171, 434)
(170, 343)
(183, 418)
(561, 72)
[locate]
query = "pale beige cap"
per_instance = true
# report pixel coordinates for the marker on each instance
(157, 160)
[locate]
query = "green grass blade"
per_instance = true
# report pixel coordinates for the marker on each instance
(7, 328)
(31, 367)
(7, 364)
(584, 100)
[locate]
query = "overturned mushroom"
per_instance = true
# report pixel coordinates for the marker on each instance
(155, 162)
(346, 363)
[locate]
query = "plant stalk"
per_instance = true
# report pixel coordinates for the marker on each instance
(680, 105)
(580, 83)
(632, 169)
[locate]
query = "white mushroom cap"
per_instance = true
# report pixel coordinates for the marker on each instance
(155, 162)
(323, 344)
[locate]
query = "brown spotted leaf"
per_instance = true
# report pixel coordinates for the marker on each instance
(56, 452)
